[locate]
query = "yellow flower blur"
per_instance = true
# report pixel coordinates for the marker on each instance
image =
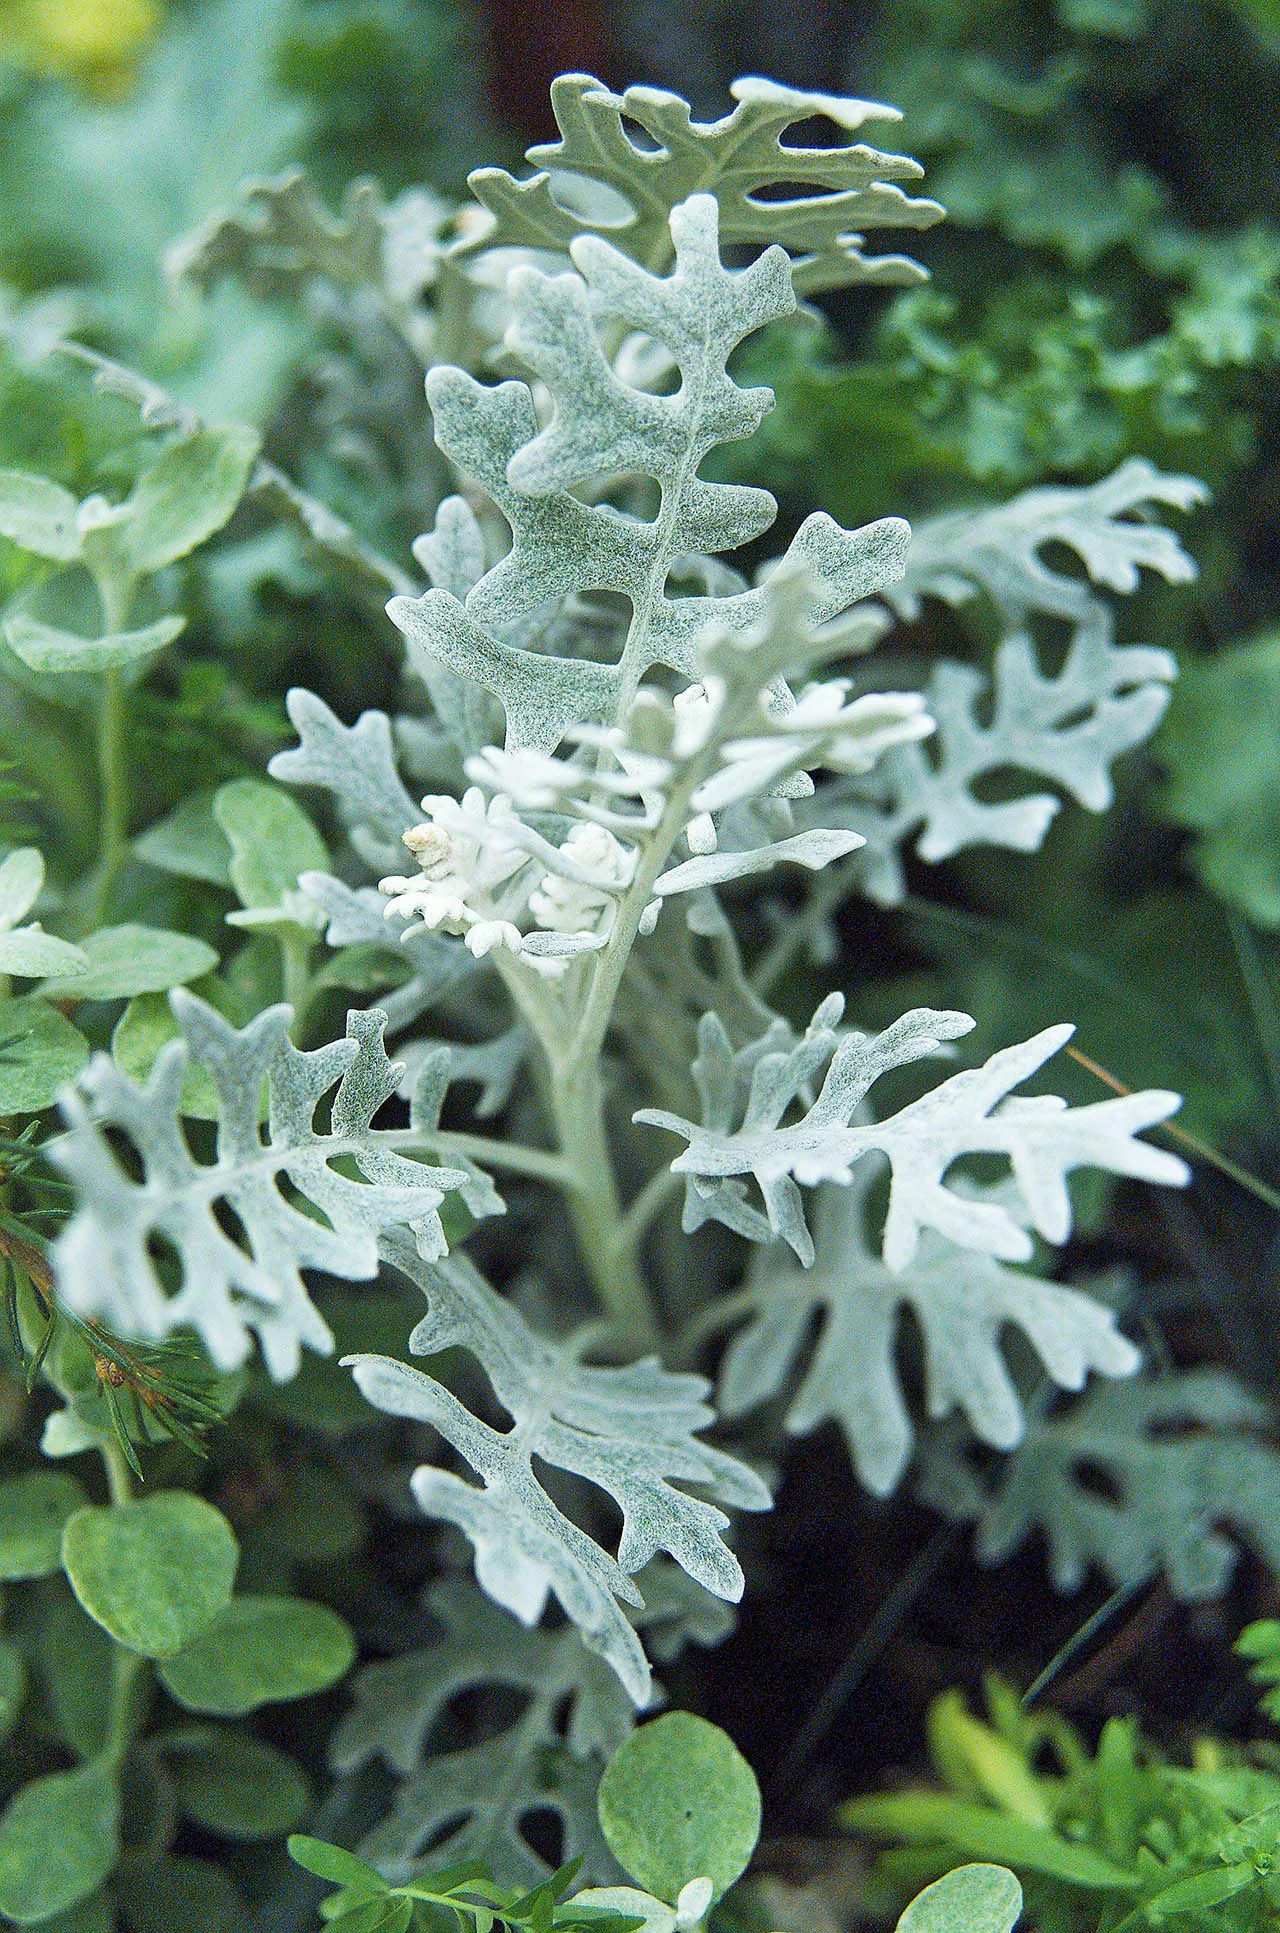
(96, 42)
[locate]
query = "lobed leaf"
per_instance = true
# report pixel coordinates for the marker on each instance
(227, 1289)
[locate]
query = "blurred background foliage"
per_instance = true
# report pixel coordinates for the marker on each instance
(1105, 286)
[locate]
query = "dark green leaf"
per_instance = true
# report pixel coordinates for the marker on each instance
(257, 1651)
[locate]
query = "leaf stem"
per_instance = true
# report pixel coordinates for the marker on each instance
(577, 1105)
(113, 822)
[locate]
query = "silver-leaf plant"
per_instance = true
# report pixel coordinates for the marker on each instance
(627, 704)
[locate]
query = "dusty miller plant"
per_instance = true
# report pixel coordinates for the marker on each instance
(644, 761)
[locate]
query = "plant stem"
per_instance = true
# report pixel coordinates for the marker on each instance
(113, 793)
(544, 1164)
(640, 1211)
(119, 1478)
(577, 1104)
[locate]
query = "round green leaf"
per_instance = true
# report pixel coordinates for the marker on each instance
(257, 1651)
(271, 838)
(13, 1685)
(182, 1896)
(40, 1051)
(33, 1510)
(972, 1899)
(92, 1915)
(124, 960)
(74, 1656)
(678, 1802)
(232, 1784)
(154, 1572)
(58, 1841)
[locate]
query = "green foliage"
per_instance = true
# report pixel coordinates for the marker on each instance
(1119, 1837)
(679, 1802)
(153, 1573)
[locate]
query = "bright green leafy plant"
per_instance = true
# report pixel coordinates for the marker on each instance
(1115, 1838)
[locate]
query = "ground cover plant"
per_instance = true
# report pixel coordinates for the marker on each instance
(516, 1034)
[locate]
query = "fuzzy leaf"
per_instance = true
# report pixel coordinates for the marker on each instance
(104, 1258)
(281, 238)
(746, 1096)
(153, 1572)
(602, 426)
(188, 493)
(1069, 729)
(629, 1431)
(961, 1303)
(679, 1802)
(33, 1510)
(1182, 1463)
(39, 516)
(739, 159)
(40, 1051)
(356, 764)
(59, 1838)
(27, 951)
(259, 1651)
(120, 961)
(998, 550)
(272, 841)
(399, 1702)
(43, 647)
(971, 1899)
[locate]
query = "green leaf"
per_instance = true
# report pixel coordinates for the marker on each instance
(189, 842)
(235, 1785)
(38, 515)
(33, 1510)
(40, 1051)
(972, 1899)
(332, 1863)
(271, 838)
(43, 647)
(678, 1802)
(13, 1685)
(92, 1915)
(183, 1896)
(153, 1572)
(74, 1656)
(258, 1651)
(188, 494)
(146, 1025)
(21, 877)
(1221, 748)
(58, 1841)
(931, 1819)
(130, 959)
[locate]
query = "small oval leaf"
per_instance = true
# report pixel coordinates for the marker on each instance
(972, 1899)
(154, 1572)
(679, 1802)
(58, 1841)
(258, 1651)
(33, 1511)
